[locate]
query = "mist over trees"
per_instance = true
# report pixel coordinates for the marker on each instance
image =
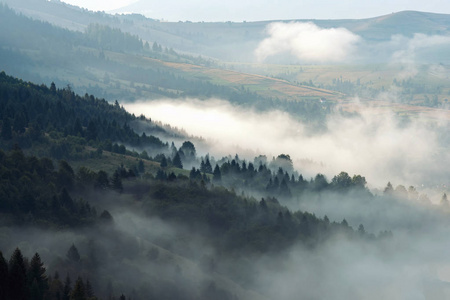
(99, 203)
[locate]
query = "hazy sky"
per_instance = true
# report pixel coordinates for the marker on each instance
(251, 10)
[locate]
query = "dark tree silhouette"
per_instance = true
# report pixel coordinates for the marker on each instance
(3, 277)
(72, 254)
(36, 278)
(177, 161)
(17, 277)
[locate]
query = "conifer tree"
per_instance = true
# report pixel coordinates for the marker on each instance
(3, 277)
(117, 182)
(17, 277)
(89, 290)
(67, 288)
(163, 161)
(78, 292)
(217, 175)
(208, 167)
(177, 161)
(37, 279)
(72, 254)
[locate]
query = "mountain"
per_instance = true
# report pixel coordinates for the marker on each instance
(226, 40)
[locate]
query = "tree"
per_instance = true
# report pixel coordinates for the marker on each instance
(189, 151)
(163, 163)
(53, 88)
(3, 277)
(78, 292)
(284, 189)
(17, 277)
(388, 190)
(89, 290)
(72, 254)
(106, 217)
(320, 182)
(217, 175)
(141, 166)
(101, 180)
(401, 192)
(177, 161)
(117, 182)
(283, 161)
(67, 290)
(361, 230)
(444, 201)
(37, 279)
(359, 181)
(341, 181)
(208, 167)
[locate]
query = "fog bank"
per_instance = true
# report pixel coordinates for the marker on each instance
(307, 42)
(374, 145)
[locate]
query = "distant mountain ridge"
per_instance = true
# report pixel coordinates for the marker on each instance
(221, 39)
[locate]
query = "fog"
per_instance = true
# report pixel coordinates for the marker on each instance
(307, 42)
(374, 144)
(412, 51)
(411, 265)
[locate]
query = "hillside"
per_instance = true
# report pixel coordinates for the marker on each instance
(227, 40)
(98, 203)
(46, 126)
(93, 61)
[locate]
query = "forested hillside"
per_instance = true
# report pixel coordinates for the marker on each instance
(41, 125)
(143, 159)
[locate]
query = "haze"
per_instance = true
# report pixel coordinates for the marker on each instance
(372, 145)
(199, 10)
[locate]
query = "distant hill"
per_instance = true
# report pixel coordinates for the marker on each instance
(225, 40)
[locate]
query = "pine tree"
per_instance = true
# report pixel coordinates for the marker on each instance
(117, 182)
(72, 254)
(3, 277)
(37, 279)
(78, 292)
(141, 167)
(208, 167)
(89, 290)
(67, 289)
(217, 175)
(177, 161)
(17, 277)
(284, 189)
(388, 190)
(202, 166)
(163, 161)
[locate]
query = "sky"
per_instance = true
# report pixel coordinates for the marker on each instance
(254, 10)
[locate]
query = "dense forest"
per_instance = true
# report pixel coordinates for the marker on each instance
(41, 126)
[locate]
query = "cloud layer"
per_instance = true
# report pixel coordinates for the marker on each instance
(307, 42)
(374, 145)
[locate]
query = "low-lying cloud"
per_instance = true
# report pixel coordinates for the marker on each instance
(375, 145)
(421, 47)
(307, 42)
